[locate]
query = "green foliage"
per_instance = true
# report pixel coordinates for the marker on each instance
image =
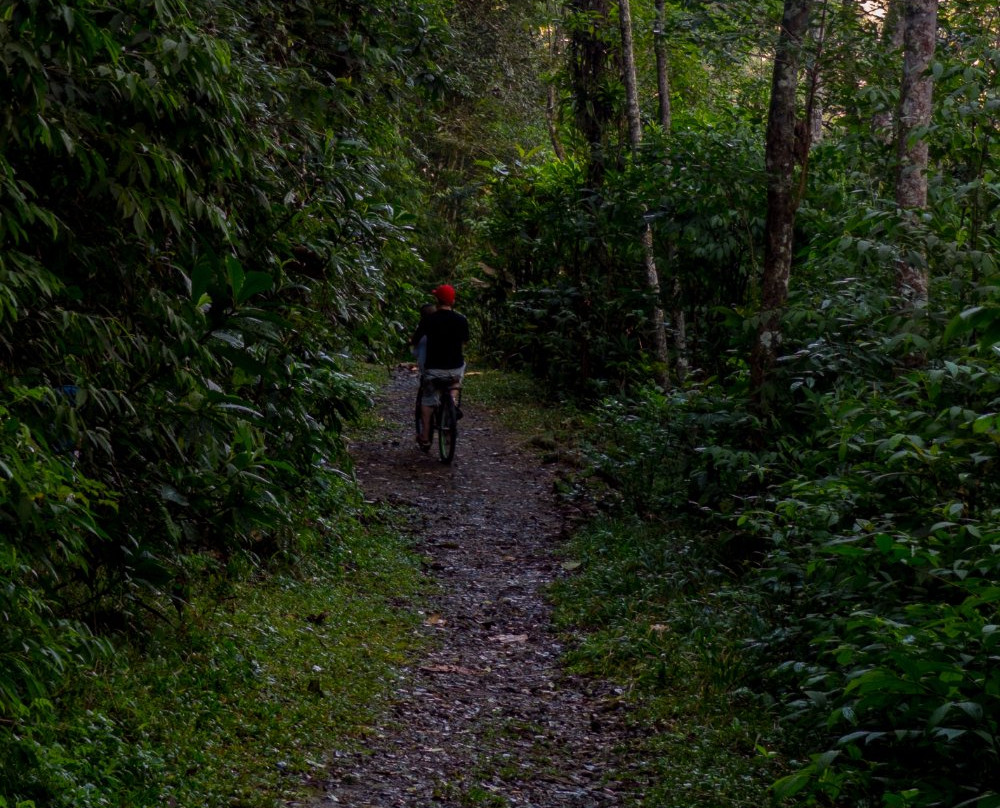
(207, 207)
(203, 214)
(703, 192)
(264, 681)
(657, 621)
(851, 560)
(565, 292)
(843, 547)
(884, 572)
(547, 305)
(41, 495)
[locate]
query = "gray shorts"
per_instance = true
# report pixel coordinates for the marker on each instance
(429, 393)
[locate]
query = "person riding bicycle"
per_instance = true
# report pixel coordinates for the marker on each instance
(446, 331)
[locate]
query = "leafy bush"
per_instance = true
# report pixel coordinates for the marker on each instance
(849, 562)
(42, 494)
(883, 574)
(664, 453)
(195, 234)
(564, 286)
(264, 680)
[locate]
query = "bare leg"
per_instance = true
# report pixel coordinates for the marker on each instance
(425, 414)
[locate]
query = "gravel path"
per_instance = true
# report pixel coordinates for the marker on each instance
(488, 718)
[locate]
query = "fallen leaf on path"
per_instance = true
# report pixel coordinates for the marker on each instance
(449, 669)
(435, 620)
(510, 638)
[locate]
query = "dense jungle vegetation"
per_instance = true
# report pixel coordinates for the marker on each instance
(755, 241)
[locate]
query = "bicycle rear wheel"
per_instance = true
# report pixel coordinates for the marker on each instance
(447, 428)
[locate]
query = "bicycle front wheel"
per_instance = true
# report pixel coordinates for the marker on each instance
(447, 429)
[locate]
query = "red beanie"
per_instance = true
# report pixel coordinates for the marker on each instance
(445, 294)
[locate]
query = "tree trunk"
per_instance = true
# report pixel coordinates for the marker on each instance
(631, 84)
(635, 139)
(810, 132)
(662, 66)
(550, 114)
(891, 42)
(677, 314)
(814, 94)
(779, 164)
(551, 103)
(588, 67)
(915, 96)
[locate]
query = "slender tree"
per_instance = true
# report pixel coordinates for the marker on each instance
(814, 92)
(780, 155)
(915, 97)
(628, 74)
(891, 43)
(551, 98)
(635, 139)
(589, 57)
(662, 66)
(677, 315)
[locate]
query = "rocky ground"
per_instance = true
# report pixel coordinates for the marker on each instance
(488, 718)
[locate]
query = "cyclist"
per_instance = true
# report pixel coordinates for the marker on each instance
(446, 331)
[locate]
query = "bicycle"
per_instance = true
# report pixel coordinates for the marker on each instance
(444, 417)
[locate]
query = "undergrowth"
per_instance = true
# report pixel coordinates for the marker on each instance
(809, 612)
(238, 706)
(650, 610)
(231, 692)
(649, 605)
(530, 410)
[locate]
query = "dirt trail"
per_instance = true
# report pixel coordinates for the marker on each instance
(487, 718)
